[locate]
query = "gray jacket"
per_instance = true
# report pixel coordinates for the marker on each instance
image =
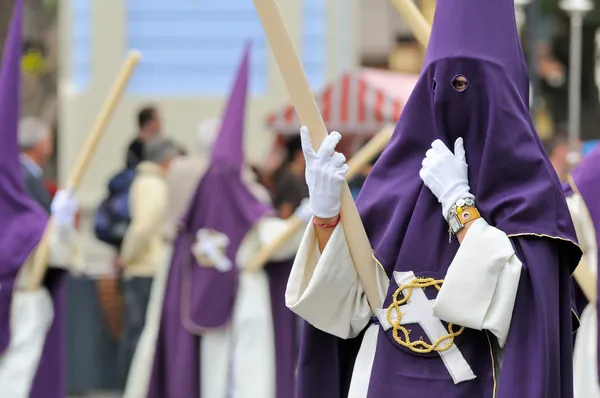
(36, 189)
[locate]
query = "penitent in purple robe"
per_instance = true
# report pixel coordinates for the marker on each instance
(517, 191)
(585, 180)
(200, 299)
(23, 222)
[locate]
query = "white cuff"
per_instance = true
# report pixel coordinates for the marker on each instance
(325, 289)
(481, 284)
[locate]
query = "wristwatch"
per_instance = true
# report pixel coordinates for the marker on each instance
(462, 212)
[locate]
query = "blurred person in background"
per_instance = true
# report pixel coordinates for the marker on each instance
(36, 148)
(553, 67)
(143, 246)
(357, 182)
(182, 178)
(224, 330)
(290, 185)
(36, 144)
(32, 334)
(149, 123)
(557, 149)
(583, 199)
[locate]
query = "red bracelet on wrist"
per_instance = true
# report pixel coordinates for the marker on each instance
(332, 225)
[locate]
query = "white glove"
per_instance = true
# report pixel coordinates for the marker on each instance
(325, 174)
(445, 174)
(304, 212)
(64, 209)
(209, 249)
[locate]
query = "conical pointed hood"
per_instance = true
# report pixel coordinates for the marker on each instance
(479, 29)
(222, 205)
(23, 221)
(473, 85)
(229, 147)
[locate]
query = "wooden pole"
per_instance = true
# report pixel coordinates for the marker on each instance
(308, 112)
(42, 252)
(355, 165)
(414, 19)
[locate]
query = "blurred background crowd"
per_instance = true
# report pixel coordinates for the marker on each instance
(361, 61)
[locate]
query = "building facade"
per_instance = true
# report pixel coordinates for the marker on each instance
(190, 51)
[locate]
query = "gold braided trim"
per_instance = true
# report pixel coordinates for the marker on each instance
(419, 346)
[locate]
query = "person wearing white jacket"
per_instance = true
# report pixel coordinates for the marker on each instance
(144, 248)
(182, 179)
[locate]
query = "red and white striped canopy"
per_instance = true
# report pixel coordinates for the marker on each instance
(358, 102)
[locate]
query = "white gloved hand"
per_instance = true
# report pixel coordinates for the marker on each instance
(64, 209)
(304, 212)
(325, 174)
(209, 249)
(445, 174)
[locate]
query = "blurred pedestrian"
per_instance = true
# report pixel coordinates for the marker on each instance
(290, 185)
(36, 144)
(557, 149)
(184, 174)
(149, 123)
(357, 182)
(31, 320)
(143, 246)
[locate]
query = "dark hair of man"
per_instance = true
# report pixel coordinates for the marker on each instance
(293, 146)
(145, 116)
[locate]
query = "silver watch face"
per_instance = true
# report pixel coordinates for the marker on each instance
(455, 224)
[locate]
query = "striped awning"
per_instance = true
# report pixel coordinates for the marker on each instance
(358, 102)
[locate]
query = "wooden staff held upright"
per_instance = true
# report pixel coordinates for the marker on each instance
(308, 113)
(42, 252)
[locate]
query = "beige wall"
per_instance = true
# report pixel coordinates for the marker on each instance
(181, 115)
(380, 24)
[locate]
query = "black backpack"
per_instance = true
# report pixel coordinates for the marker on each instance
(113, 216)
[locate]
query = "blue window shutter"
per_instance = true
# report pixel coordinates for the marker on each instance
(314, 41)
(81, 34)
(192, 47)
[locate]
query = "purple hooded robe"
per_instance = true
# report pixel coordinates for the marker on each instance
(585, 180)
(198, 298)
(517, 191)
(23, 222)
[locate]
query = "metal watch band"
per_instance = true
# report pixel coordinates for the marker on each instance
(462, 212)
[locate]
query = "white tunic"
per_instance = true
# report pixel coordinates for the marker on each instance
(31, 317)
(585, 359)
(324, 289)
(239, 360)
